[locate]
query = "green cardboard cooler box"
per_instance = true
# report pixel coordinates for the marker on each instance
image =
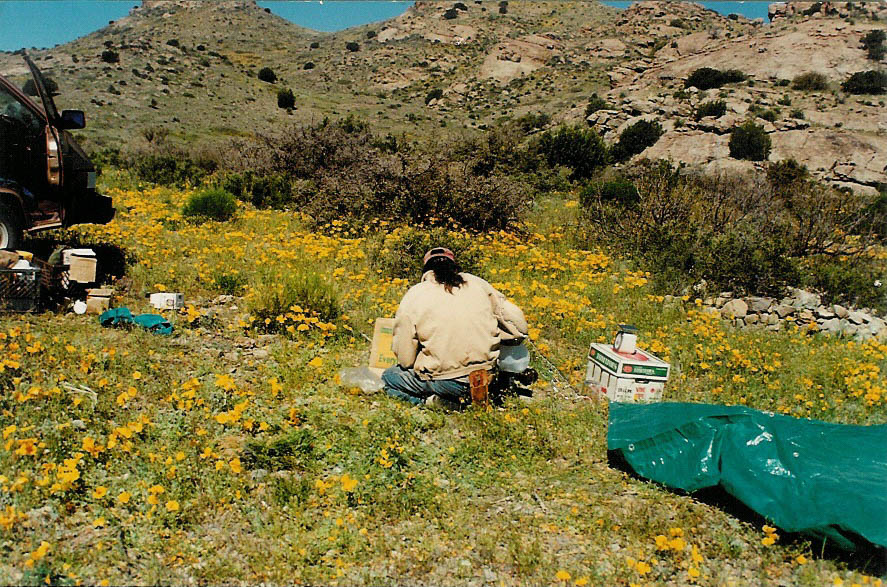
(637, 377)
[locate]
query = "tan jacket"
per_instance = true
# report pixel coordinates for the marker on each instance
(448, 335)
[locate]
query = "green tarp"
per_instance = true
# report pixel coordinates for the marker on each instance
(825, 480)
(123, 317)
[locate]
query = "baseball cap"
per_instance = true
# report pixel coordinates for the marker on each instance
(438, 252)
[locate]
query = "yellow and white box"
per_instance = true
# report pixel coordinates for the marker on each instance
(637, 377)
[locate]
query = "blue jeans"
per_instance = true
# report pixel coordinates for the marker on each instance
(405, 384)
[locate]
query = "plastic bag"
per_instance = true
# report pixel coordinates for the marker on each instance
(825, 480)
(361, 377)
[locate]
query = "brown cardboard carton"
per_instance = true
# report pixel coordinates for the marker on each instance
(382, 349)
(82, 269)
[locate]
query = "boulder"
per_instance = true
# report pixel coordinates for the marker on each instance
(758, 304)
(840, 311)
(784, 310)
(805, 299)
(833, 326)
(734, 309)
(857, 318)
(751, 319)
(877, 326)
(824, 313)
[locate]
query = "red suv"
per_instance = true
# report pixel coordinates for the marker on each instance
(46, 180)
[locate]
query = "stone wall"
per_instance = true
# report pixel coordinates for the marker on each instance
(800, 308)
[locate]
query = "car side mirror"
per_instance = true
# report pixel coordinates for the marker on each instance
(73, 120)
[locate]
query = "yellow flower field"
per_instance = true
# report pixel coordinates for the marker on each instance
(229, 453)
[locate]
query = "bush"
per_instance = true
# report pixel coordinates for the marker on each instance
(749, 141)
(213, 204)
(634, 139)
(450, 14)
(866, 82)
(618, 191)
(435, 94)
(716, 108)
(341, 171)
(314, 45)
(30, 88)
(797, 114)
(371, 34)
(110, 56)
(301, 292)
(530, 122)
(706, 78)
(172, 167)
(580, 149)
(286, 98)
(262, 191)
(596, 103)
(768, 114)
(266, 74)
(848, 281)
(741, 233)
(873, 43)
(399, 253)
(229, 283)
(352, 46)
(810, 82)
(308, 65)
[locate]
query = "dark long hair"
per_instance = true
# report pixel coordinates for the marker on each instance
(446, 272)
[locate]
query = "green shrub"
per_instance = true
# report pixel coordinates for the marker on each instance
(308, 66)
(110, 56)
(286, 99)
(266, 74)
(172, 168)
(716, 108)
(399, 253)
(768, 114)
(352, 46)
(229, 283)
(873, 43)
(212, 204)
(292, 451)
(797, 114)
(618, 191)
(786, 174)
(596, 103)
(273, 295)
(706, 78)
(342, 171)
(435, 94)
(810, 82)
(581, 150)
(634, 139)
(262, 191)
(314, 45)
(848, 281)
(530, 122)
(749, 141)
(866, 82)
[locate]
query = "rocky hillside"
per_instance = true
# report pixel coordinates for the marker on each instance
(192, 67)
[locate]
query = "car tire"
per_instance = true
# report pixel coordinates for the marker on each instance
(11, 227)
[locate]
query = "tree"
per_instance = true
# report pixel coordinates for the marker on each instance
(286, 98)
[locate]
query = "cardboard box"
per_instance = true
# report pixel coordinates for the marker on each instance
(82, 269)
(168, 300)
(623, 377)
(382, 349)
(98, 300)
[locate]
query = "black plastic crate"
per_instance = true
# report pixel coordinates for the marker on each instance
(20, 289)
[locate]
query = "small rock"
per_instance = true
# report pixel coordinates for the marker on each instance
(857, 317)
(758, 304)
(258, 474)
(784, 310)
(752, 319)
(261, 354)
(833, 326)
(805, 299)
(720, 301)
(877, 325)
(78, 424)
(726, 294)
(668, 298)
(266, 338)
(774, 327)
(805, 316)
(840, 311)
(824, 313)
(734, 308)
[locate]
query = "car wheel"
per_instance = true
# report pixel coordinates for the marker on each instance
(11, 226)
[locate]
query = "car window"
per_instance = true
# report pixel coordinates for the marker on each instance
(17, 113)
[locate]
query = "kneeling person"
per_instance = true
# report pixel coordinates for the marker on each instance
(447, 326)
